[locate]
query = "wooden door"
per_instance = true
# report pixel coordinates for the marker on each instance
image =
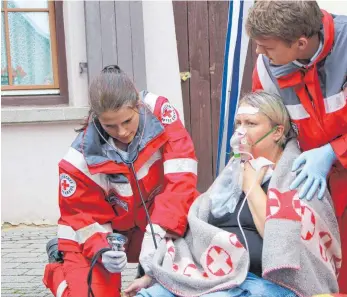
(115, 35)
(201, 32)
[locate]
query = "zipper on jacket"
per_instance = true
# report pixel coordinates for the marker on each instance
(310, 96)
(317, 116)
(303, 71)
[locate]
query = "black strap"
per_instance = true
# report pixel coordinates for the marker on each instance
(90, 273)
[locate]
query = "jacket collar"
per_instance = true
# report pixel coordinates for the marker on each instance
(327, 34)
(97, 152)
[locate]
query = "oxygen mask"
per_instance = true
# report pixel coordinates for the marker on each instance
(240, 146)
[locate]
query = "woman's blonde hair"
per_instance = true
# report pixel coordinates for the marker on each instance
(272, 106)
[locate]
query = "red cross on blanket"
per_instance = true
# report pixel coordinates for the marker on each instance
(284, 205)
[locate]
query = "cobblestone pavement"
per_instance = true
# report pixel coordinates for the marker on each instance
(23, 257)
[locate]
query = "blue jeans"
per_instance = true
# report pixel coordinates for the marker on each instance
(253, 286)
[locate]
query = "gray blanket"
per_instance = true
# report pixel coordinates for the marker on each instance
(301, 248)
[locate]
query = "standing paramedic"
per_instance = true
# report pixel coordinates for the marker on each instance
(303, 57)
(132, 145)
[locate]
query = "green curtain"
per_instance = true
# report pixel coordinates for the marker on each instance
(30, 48)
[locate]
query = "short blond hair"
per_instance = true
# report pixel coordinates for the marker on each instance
(270, 105)
(285, 20)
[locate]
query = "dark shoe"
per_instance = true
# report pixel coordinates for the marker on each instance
(52, 251)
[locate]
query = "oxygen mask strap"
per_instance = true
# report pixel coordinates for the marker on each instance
(266, 135)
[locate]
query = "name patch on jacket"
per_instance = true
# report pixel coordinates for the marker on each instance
(114, 200)
(67, 185)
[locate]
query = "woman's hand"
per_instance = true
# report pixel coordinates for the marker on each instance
(256, 198)
(252, 177)
(137, 285)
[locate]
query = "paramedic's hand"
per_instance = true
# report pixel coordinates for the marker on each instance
(138, 284)
(251, 177)
(316, 166)
(114, 261)
(148, 248)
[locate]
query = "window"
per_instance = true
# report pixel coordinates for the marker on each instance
(33, 63)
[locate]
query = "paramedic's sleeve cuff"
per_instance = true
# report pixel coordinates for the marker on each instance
(339, 146)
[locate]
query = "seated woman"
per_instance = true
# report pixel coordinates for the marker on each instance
(261, 241)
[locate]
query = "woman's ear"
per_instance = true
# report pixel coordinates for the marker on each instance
(278, 133)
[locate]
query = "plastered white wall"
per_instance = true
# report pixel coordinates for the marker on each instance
(162, 68)
(333, 6)
(30, 152)
(29, 171)
(76, 51)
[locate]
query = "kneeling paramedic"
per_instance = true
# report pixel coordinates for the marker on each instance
(131, 165)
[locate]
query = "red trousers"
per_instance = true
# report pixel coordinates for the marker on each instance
(69, 279)
(338, 190)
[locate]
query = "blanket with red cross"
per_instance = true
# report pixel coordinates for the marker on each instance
(301, 244)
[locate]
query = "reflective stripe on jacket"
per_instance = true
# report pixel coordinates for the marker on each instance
(98, 193)
(315, 95)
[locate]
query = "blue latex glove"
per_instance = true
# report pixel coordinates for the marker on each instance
(316, 166)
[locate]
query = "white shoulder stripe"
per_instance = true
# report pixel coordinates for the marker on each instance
(335, 102)
(61, 288)
(76, 159)
(143, 171)
(297, 112)
(81, 235)
(264, 77)
(181, 165)
(151, 99)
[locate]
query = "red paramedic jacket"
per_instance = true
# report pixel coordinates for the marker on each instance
(98, 193)
(315, 96)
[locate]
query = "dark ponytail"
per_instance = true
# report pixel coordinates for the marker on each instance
(110, 90)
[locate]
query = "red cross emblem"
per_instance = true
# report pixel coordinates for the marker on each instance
(234, 241)
(325, 242)
(218, 261)
(284, 205)
(308, 223)
(168, 114)
(273, 203)
(64, 184)
(67, 185)
(297, 204)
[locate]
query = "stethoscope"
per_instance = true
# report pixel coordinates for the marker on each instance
(130, 164)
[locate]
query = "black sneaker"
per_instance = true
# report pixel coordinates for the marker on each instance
(52, 251)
